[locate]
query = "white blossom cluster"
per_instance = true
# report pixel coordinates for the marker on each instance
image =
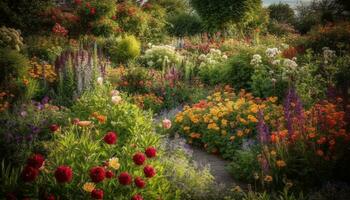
(272, 52)
(328, 54)
(158, 55)
(256, 59)
(213, 57)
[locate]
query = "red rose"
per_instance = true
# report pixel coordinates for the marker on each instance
(139, 158)
(149, 171)
(29, 174)
(63, 174)
(54, 127)
(92, 11)
(151, 152)
(97, 174)
(97, 194)
(124, 178)
(36, 161)
(137, 197)
(109, 174)
(139, 182)
(110, 137)
(50, 197)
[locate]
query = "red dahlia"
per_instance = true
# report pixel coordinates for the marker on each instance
(149, 171)
(137, 197)
(151, 152)
(139, 182)
(139, 158)
(97, 194)
(124, 178)
(97, 174)
(110, 138)
(54, 127)
(50, 197)
(29, 174)
(63, 174)
(36, 161)
(109, 174)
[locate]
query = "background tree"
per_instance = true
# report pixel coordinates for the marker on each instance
(282, 13)
(184, 24)
(218, 14)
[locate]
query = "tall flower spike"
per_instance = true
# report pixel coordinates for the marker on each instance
(263, 129)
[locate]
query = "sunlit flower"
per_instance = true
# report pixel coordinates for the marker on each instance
(100, 80)
(268, 178)
(89, 187)
(166, 123)
(116, 99)
(281, 163)
(114, 163)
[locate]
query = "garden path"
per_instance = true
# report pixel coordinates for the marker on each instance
(202, 158)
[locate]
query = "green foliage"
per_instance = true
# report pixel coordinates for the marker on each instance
(10, 38)
(25, 15)
(280, 29)
(216, 14)
(123, 50)
(244, 165)
(45, 48)
(184, 24)
(282, 13)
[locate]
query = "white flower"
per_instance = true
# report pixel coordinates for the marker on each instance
(328, 54)
(272, 52)
(116, 99)
(114, 93)
(100, 80)
(150, 63)
(290, 64)
(276, 62)
(202, 57)
(224, 57)
(256, 59)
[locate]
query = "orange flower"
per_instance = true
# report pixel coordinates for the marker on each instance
(195, 135)
(312, 135)
(101, 118)
(274, 138)
(280, 163)
(322, 140)
(84, 123)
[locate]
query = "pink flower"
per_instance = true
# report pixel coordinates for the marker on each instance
(166, 123)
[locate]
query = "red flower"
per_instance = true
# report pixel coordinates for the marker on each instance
(139, 158)
(151, 152)
(139, 182)
(29, 174)
(75, 121)
(50, 197)
(110, 137)
(97, 194)
(78, 2)
(109, 174)
(36, 161)
(124, 178)
(114, 17)
(137, 197)
(54, 128)
(88, 5)
(97, 174)
(64, 174)
(92, 11)
(149, 171)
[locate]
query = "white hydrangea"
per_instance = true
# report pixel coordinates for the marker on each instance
(256, 59)
(272, 52)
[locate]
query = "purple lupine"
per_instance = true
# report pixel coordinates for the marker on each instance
(263, 129)
(295, 111)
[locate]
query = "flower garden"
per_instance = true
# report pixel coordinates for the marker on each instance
(113, 99)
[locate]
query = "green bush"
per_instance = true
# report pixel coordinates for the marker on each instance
(124, 49)
(244, 165)
(185, 25)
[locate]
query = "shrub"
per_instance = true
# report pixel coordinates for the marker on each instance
(244, 165)
(124, 49)
(185, 25)
(10, 38)
(13, 66)
(209, 71)
(161, 56)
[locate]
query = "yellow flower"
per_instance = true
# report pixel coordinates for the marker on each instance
(114, 163)
(89, 187)
(237, 189)
(273, 153)
(268, 178)
(252, 119)
(179, 118)
(273, 99)
(224, 123)
(232, 138)
(213, 126)
(254, 108)
(280, 163)
(186, 128)
(223, 132)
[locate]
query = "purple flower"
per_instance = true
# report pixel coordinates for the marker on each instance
(293, 108)
(45, 100)
(263, 129)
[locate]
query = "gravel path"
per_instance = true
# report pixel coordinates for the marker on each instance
(217, 165)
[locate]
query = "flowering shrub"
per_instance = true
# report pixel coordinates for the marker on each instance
(148, 101)
(208, 62)
(42, 71)
(161, 56)
(225, 120)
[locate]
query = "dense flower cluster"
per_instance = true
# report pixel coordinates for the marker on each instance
(224, 119)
